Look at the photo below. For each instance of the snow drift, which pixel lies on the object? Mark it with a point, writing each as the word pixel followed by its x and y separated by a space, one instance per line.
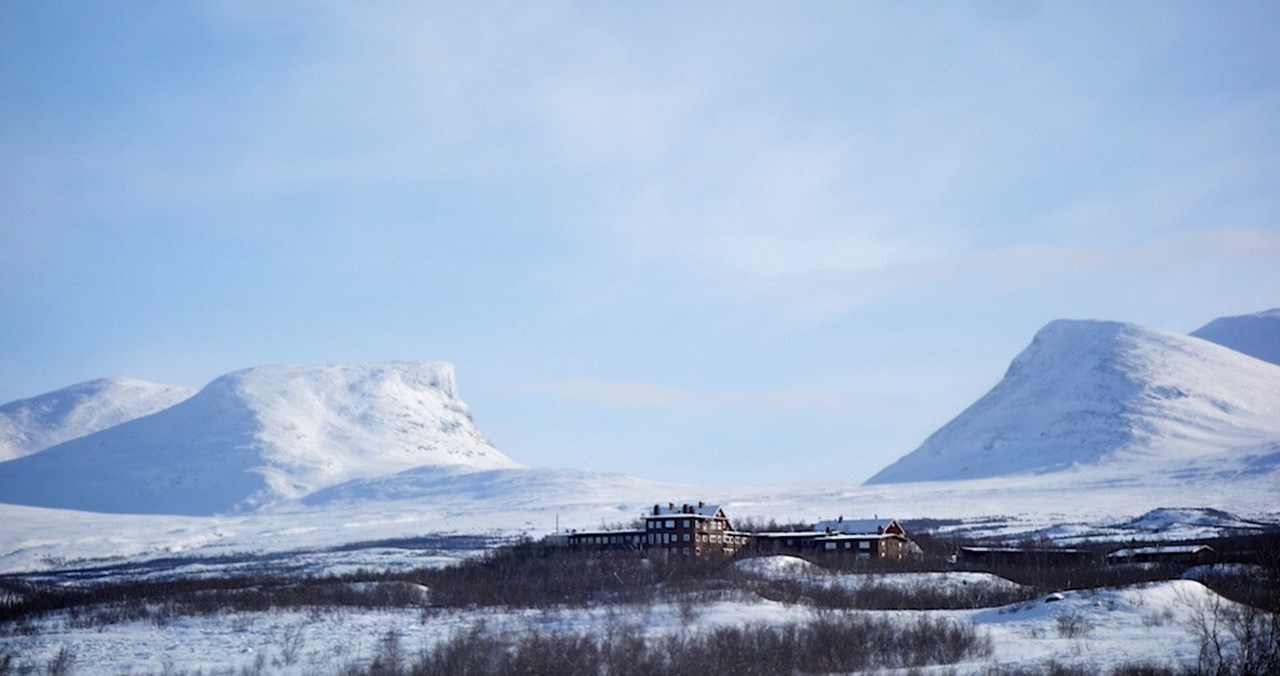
pixel 260 436
pixel 1107 394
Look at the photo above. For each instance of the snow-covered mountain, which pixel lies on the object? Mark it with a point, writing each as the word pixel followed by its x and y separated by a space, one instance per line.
pixel 1257 335
pixel 259 436
pixel 1104 395
pixel 30 425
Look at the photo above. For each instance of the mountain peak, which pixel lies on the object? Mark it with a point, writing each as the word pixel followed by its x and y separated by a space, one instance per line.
pixel 34 424
pixel 1257 334
pixel 261 435
pixel 1085 392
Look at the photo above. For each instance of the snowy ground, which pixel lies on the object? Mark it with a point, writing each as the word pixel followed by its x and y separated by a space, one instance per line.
pixel 504 504
pixel 1101 629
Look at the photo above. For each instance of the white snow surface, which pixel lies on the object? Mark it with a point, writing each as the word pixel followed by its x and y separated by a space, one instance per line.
pixel 784 567
pixel 261 436
pixel 1065 506
pixel 1149 623
pixel 1136 400
pixel 34 424
pixel 1257 334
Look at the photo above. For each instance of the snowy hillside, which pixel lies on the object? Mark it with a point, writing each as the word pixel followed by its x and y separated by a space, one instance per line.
pixel 1106 394
pixel 258 436
pixel 1257 335
pixel 30 425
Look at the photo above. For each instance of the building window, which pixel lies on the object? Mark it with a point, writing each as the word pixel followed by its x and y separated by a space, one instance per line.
pixel 685 524
pixel 830 546
pixel 670 523
pixel 864 545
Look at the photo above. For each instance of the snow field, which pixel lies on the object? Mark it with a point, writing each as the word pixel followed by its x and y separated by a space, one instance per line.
pixel 1101 629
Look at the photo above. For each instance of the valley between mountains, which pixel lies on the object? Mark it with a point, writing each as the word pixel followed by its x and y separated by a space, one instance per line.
pixel 310 504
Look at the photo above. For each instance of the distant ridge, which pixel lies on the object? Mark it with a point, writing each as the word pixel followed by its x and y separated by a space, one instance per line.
pixel 259 436
pixel 1257 334
pixel 34 424
pixel 1095 394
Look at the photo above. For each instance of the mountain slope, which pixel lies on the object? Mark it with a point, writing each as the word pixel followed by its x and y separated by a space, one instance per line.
pixel 259 436
pixel 1088 393
pixel 1257 335
pixel 30 425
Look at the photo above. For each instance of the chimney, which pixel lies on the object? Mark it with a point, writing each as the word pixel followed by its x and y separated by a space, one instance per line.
pixel 701 504
pixel 655 510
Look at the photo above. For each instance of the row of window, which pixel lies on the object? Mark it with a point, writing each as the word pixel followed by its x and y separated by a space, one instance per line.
pixel 657 524
pixel 861 545
pixel 608 539
pixel 660 539
pixel 668 538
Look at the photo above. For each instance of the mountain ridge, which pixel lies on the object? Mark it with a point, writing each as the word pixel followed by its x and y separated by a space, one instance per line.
pixel 1256 334
pixel 33 424
pixel 1086 392
pixel 259 436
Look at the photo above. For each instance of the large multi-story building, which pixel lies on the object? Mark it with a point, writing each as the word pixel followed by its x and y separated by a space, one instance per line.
pixel 692 530
pixel 702 530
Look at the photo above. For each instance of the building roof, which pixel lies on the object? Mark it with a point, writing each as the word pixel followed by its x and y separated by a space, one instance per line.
pixel 1022 550
pixel 859 526
pixel 595 533
pixel 861 537
pixel 1167 550
pixel 672 510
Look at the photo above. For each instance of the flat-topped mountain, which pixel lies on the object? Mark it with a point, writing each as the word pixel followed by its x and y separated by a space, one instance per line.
pixel 259 436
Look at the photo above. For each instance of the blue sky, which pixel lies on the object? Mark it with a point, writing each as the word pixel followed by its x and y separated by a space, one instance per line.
pixel 749 242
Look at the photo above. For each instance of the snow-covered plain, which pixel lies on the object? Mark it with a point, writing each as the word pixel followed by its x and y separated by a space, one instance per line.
pixel 512 503
pixel 1090 629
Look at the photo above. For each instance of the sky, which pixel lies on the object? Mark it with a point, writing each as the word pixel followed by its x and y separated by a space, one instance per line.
pixel 743 242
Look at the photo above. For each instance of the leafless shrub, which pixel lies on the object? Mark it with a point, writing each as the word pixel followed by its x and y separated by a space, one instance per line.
pixel 389 659
pixel 829 643
pixel 1234 639
pixel 290 645
pixel 1073 624
pixel 1145 669
pixel 60 664
pixel 257 668
pixel 1158 618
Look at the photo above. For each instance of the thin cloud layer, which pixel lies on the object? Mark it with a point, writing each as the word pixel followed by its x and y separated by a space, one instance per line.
pixel 602 198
